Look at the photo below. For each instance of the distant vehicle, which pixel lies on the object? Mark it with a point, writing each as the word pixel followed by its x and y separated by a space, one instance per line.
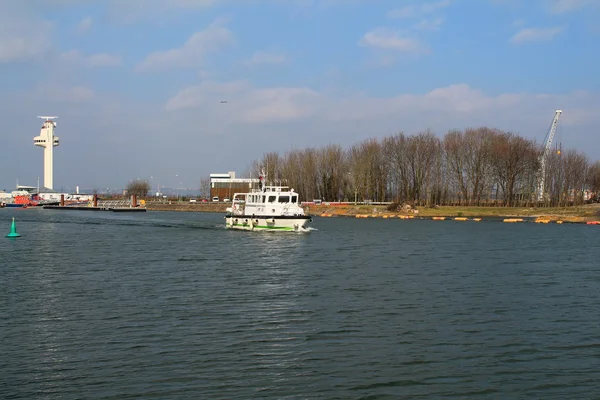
pixel 216 198
pixel 204 201
pixel 317 201
pixel 226 200
pixel 192 200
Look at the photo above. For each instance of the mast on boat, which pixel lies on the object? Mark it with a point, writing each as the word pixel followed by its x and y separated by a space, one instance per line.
pixel 262 179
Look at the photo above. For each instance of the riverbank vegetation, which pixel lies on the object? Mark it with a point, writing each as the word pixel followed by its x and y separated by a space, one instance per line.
pixel 480 167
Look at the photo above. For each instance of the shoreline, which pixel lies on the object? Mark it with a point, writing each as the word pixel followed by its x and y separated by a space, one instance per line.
pixel 575 214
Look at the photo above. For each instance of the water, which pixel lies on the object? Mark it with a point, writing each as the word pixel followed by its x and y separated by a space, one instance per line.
pixel 98 305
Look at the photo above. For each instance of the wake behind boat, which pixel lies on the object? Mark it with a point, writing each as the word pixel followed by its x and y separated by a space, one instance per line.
pixel 269 208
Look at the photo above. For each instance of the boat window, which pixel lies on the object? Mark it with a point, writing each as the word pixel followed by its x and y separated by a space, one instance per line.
pixel 294 199
pixel 284 199
pixel 271 199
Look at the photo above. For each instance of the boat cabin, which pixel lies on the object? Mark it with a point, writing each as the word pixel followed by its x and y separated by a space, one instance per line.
pixel 273 194
pixel 270 201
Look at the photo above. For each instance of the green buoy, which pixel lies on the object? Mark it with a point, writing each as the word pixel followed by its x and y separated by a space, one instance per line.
pixel 13 230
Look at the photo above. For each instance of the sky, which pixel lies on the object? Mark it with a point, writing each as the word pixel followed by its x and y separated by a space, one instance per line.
pixel 138 85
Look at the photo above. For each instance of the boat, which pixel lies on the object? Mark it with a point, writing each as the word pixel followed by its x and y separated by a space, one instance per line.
pixel 269 208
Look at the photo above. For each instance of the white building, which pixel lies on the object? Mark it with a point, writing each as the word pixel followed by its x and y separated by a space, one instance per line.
pixel 225 185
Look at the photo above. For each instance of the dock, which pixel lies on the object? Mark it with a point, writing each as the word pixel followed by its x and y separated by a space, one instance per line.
pixel 97 208
pixel 131 205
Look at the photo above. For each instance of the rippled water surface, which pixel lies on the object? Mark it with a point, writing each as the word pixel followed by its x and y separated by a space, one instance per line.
pixel 98 305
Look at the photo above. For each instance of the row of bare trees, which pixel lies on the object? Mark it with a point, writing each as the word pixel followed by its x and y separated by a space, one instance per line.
pixel 481 166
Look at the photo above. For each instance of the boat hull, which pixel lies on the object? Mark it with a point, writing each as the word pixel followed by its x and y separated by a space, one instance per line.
pixel 267 223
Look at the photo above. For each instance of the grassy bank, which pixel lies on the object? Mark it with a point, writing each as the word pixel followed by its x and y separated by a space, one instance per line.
pixel 191 207
pixel 567 214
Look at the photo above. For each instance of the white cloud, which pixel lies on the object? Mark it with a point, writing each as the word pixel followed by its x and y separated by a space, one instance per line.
pixel 129 11
pixel 566 6
pixel 94 60
pixel 193 52
pixel 191 3
pixel 416 11
pixel 261 57
pixel 65 94
pixel 84 25
pixel 430 24
pixel 429 19
pixel 203 74
pixel 536 34
pixel 22 36
pixel 246 104
pixel 442 108
pixel 391 40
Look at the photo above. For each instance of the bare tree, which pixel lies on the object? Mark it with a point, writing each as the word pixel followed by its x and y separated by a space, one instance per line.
pixel 205 187
pixel 513 157
pixel 421 155
pixel 478 151
pixel 575 165
pixel 395 149
pixel 593 181
pixel 358 170
pixel 331 172
pixel 138 187
pixel 454 151
pixel 469 167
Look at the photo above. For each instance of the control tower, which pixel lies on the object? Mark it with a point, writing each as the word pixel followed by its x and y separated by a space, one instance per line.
pixel 48 141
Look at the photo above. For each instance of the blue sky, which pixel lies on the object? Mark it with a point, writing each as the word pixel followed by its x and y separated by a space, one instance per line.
pixel 137 84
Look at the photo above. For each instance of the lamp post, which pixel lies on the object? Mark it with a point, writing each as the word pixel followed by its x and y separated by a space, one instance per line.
pixel 151 185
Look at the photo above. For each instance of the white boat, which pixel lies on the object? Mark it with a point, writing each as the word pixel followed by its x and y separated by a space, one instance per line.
pixel 269 208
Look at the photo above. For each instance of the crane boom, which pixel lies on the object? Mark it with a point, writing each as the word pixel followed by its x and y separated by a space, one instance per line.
pixel 544 156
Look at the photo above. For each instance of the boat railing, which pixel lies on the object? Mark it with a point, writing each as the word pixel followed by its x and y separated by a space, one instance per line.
pixel 121 203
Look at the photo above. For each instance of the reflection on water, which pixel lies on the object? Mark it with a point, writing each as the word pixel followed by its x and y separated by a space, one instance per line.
pixel 173 305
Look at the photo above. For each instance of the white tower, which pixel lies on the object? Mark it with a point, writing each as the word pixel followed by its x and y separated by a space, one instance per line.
pixel 48 141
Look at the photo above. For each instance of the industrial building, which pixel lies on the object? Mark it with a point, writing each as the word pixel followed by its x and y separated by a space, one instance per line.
pixel 224 186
